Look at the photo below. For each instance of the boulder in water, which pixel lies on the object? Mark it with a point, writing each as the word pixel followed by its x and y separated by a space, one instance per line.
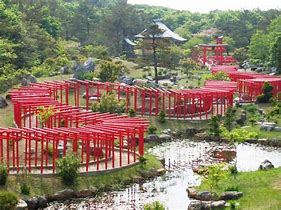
pixel 266 165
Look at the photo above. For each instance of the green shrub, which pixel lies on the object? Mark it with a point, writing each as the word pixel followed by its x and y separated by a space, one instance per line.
pixel 220 75
pixel 8 200
pixel 86 75
pixel 131 113
pixel 109 103
pixel 233 170
pixel 98 51
pixel 144 76
pixel 161 117
pixel 152 129
pixel 142 161
pixel 154 206
pixel 267 93
pixel 68 168
pixel 3 174
pixel 24 188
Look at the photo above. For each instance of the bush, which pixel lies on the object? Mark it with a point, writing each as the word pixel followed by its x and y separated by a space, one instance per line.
pixel 154 206
pixel 220 75
pixel 132 113
pixel 68 168
pixel 3 174
pixel 110 71
pixel 267 93
pixel 142 161
pixel 8 200
pixel 24 188
pixel 161 117
pixel 152 129
pixel 98 51
pixel 86 75
pixel 109 103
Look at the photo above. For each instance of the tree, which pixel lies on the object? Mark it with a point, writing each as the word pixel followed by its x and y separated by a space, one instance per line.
pixel 260 47
pixel 229 118
pixel 110 71
pixel 267 93
pixel 214 174
pixel 275 54
pixel 44 114
pixel 214 126
pixel 152 35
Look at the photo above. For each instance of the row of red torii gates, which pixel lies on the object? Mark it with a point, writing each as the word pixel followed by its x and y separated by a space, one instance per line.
pixel 102 140
pixel 249 84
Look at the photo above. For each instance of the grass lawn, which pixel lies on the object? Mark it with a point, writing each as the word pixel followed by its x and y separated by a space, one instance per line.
pixel 108 181
pixel 264 134
pixel 261 189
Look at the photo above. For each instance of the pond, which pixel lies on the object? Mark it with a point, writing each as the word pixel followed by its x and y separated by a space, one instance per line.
pixel 170 189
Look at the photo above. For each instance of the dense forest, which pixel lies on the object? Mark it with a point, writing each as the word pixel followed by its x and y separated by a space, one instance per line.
pixel 41 36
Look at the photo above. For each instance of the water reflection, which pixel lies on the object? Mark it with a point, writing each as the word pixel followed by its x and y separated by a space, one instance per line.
pixel 170 189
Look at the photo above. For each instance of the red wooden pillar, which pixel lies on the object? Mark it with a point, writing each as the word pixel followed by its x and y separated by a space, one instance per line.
pixel 141 141
pixel 1 148
pixel 135 98
pixel 204 55
pixel 157 103
pixel 120 149
pixel 87 96
pixel 150 102
pixel 127 99
pixel 169 105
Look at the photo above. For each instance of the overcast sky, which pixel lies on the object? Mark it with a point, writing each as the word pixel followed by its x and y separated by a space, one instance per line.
pixel 208 5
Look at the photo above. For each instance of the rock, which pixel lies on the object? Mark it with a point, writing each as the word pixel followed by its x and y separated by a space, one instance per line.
pixel 231 195
pixel 32 203
pixel 85 193
pixel 165 137
pixel 64 70
pixel 177 134
pixel 191 193
pixel 202 205
pixel 242 119
pixel 195 205
pixel 152 137
pixel 137 179
pixel 161 171
pixel 167 131
pixel 24 82
pixel 204 196
pixel 32 78
pixel 42 202
pixel 89 64
pixel 149 174
pixel 78 68
pixel 22 205
pixel 266 165
pixel 278 129
pixel 214 205
pixel 62 195
pixel 201 136
pixel 190 132
pixel 3 102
